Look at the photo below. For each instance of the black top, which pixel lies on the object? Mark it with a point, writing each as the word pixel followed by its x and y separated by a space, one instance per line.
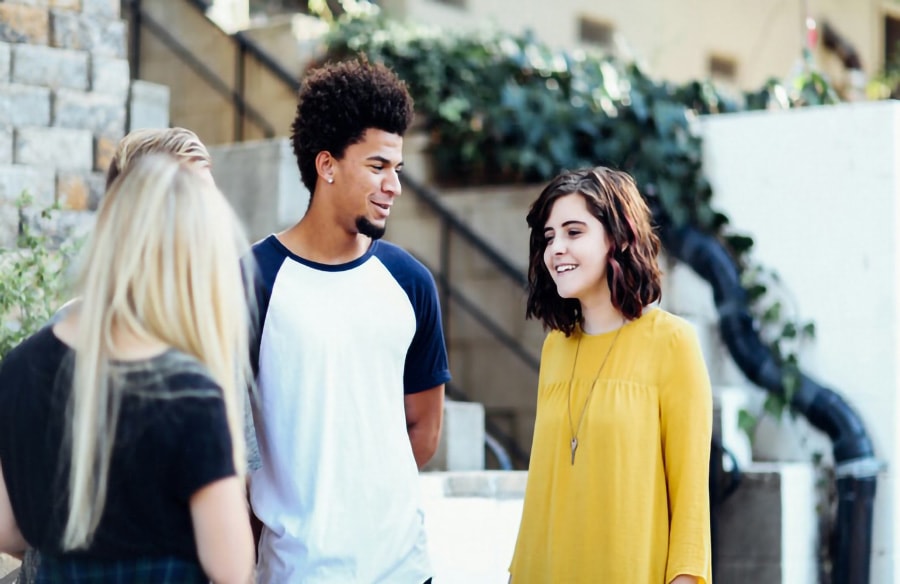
pixel 172 439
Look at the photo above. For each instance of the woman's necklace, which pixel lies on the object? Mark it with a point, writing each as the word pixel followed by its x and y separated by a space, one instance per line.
pixel 573 430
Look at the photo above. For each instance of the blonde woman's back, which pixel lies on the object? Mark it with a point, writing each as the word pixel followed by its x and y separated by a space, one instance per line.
pixel 172 438
pixel 141 447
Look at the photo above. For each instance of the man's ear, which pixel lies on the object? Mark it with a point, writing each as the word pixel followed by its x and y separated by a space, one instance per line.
pixel 325 166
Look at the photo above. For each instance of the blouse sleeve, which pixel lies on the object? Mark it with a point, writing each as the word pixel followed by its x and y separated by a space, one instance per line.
pixel 686 429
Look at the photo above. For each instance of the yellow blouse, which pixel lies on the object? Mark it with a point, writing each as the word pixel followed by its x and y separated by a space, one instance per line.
pixel 634 507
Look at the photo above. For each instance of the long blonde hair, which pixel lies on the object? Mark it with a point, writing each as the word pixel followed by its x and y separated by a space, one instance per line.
pixel 163 264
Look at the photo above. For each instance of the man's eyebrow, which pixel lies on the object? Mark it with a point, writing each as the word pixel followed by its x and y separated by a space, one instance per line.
pixel 383 160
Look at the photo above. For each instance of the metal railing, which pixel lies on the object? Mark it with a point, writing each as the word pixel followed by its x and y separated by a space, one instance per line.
pixel 506 450
pixel 452 297
pixel 141 20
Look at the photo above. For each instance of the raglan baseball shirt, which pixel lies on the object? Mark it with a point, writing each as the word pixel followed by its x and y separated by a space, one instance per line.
pixel 339 347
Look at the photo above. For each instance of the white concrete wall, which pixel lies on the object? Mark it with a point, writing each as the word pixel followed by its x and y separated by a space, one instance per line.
pixel 818 190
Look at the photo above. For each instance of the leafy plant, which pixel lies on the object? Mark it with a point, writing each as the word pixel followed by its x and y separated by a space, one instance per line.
pixel 31 276
pixel 502 107
pixel 886 84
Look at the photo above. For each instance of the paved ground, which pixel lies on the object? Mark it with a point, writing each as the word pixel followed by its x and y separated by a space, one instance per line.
pixel 7 565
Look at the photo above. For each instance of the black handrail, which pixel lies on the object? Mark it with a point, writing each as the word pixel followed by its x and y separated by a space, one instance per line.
pixel 485 320
pixel 141 18
pixel 452 294
pixel 434 203
pixel 450 222
pixel 251 47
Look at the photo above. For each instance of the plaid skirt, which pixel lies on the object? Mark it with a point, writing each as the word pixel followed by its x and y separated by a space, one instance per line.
pixel 165 570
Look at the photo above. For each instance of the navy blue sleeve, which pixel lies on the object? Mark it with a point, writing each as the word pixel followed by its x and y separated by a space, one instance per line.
pixel 426 360
pixel 264 263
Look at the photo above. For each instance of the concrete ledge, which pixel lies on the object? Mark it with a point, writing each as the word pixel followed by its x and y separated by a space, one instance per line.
pixel 461 446
pixel 768 530
pixel 148 105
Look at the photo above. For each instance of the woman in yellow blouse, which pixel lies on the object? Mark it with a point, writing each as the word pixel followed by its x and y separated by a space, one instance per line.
pixel 618 483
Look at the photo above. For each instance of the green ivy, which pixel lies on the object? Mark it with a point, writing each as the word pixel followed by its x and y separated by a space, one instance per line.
pixel 501 107
pixel 32 284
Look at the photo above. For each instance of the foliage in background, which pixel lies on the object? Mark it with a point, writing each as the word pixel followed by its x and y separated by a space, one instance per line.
pixel 886 84
pixel 32 284
pixel 500 107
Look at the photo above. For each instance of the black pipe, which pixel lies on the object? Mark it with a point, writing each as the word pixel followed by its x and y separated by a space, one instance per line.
pixel 856 467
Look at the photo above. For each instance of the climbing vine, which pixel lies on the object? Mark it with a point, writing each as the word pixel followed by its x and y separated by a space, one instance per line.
pixel 32 283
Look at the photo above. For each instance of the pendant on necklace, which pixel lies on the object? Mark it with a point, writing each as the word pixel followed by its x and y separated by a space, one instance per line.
pixel 574 448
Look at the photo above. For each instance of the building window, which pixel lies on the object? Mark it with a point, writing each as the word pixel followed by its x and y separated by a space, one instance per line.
pixel 595 32
pixel 891 40
pixel 722 68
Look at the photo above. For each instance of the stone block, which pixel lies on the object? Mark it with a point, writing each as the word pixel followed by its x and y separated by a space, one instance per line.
pixel 6 145
pixel 73 30
pixel 9 224
pixel 110 76
pixel 488 484
pixel 60 148
pixel 23 105
pixel 72 190
pixel 148 106
pixel 101 8
pixel 104 149
pixel 49 67
pixel 68 4
pixel 261 181
pixel 37 182
pixel 767 530
pixel 65 4
pixel 101 114
pixel 461 446
pixel 60 226
pixel 80 191
pixel 24 24
pixel 5 60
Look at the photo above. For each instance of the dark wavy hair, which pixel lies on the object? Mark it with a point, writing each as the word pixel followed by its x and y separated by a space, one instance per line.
pixel 632 271
pixel 338 103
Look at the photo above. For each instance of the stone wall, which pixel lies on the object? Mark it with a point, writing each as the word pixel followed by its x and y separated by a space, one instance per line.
pixel 64 93
pixel 66 98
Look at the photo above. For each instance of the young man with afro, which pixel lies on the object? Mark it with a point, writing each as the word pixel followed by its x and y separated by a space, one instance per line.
pixel 352 362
